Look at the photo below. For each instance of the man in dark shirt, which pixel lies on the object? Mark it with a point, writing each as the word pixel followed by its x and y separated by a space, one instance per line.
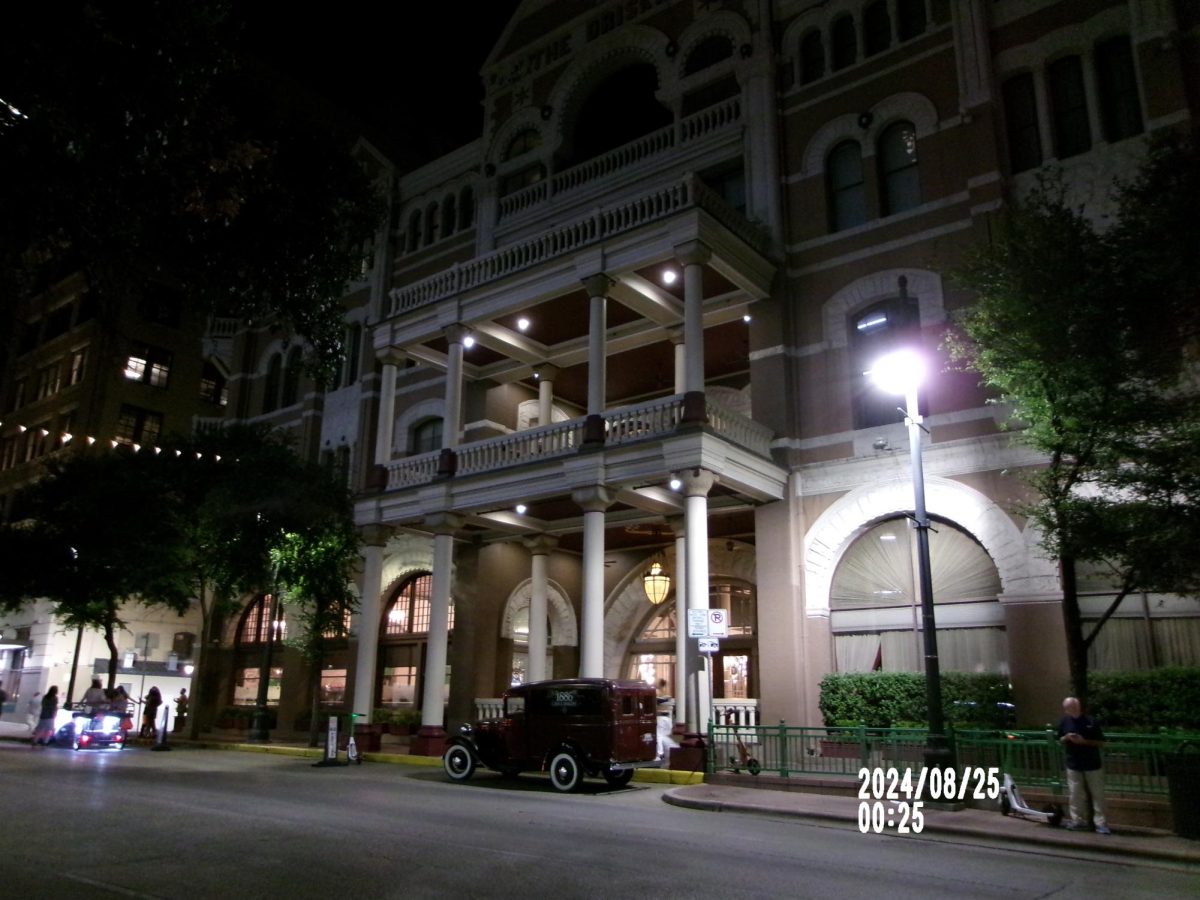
pixel 1082 739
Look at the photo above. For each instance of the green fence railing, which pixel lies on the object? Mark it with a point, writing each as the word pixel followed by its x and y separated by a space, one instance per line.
pixel 1133 763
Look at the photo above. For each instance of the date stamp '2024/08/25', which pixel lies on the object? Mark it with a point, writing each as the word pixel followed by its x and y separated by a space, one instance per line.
pixel 895 798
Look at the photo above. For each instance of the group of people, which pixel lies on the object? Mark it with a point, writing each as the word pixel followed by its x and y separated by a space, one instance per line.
pixel 42 713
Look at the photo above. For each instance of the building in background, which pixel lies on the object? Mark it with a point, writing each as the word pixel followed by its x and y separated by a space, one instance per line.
pixel 621 336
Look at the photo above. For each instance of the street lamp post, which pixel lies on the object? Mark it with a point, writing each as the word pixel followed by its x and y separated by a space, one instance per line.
pixel 901 372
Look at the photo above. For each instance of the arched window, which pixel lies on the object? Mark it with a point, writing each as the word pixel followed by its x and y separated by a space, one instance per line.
pixel 402 636
pixel 427 436
pixel 619 110
pixel 466 208
pixel 431 216
pixel 873 601
pixel 274 379
pixel 449 217
pixel 414 230
pixel 1021 122
pixel 408 613
pixel 708 52
pixel 812 57
pixel 899 177
pixel 910 18
pixel 847 193
pixel 291 377
pixel 256 622
pixel 877 28
pixel 522 142
pixel 844 41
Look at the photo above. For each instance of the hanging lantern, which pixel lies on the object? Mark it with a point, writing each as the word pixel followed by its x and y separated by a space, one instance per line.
pixel 656 583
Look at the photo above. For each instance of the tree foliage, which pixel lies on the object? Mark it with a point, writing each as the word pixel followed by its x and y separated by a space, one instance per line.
pixel 101 532
pixel 142 149
pixel 1090 336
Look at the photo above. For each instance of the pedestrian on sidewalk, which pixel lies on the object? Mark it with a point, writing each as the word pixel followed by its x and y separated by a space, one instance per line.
pixel 44 733
pixel 1082 739
pixel 153 700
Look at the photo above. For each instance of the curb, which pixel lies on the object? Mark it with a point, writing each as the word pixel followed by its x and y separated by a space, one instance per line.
pixel 1163 854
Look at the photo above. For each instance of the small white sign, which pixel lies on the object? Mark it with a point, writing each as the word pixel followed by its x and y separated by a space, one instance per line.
pixel 718 623
pixel 709 645
pixel 697 623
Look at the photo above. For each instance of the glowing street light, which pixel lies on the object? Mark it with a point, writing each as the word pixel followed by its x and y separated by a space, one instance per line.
pixel 902 372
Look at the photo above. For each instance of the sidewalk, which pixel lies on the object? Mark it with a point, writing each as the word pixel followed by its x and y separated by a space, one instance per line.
pixel 687 790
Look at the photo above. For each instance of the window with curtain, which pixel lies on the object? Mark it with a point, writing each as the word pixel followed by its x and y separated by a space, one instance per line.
pixel 1120 108
pixel 1021 123
pixel 271 387
pixel 899 175
pixel 847 191
pixel 1068 107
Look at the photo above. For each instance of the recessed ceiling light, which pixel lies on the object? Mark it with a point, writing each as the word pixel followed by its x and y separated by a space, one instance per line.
pixel 675 484
pixel 669 276
pixel 746 318
pixel 523 323
pixel 469 341
pixel 521 507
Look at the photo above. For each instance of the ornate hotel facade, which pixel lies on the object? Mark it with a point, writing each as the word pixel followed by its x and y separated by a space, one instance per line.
pixel 625 330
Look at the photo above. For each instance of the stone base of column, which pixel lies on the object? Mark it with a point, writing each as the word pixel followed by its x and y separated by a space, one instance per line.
pixel 430 740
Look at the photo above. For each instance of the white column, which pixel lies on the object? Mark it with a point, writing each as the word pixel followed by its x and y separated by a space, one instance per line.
pixel 696 485
pixel 681 638
pixel 374 539
pixel 452 426
pixel 594 501
pixel 385 434
pixel 597 287
pixel 432 701
pixel 680 349
pixel 539 549
pixel 692 257
pixel 546 375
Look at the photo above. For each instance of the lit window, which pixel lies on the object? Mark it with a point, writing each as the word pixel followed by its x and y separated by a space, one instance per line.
pixel 149 365
pixel 408 613
pixel 138 426
pixel 898 174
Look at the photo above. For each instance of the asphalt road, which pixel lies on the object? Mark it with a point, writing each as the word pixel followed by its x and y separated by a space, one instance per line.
pixel 203 823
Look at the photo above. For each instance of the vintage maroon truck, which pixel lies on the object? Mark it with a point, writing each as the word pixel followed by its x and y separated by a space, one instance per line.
pixel 569 727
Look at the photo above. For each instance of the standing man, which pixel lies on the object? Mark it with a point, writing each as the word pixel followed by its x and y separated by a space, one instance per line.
pixel 1082 739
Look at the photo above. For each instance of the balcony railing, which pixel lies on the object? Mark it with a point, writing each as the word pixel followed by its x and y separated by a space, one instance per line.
pixel 654 419
pixel 658 143
pixel 600 224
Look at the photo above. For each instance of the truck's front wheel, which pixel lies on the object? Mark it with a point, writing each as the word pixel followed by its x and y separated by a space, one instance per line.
pixel 459 763
pixel 565 772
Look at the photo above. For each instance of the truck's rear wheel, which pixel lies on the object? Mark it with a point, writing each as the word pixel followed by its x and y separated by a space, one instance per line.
pixel 618 778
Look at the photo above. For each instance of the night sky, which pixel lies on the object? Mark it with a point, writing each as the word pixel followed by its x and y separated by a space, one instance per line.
pixel 408 68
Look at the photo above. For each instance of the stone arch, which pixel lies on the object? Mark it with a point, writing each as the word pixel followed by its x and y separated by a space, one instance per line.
pixel 522 120
pixel 609 54
pixel 404 555
pixel 412 415
pixel 627 605
pixel 925 286
pixel 914 107
pixel 724 23
pixel 835 530
pixel 564 627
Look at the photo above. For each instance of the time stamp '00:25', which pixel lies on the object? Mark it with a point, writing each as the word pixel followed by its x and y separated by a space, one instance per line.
pixel 893 798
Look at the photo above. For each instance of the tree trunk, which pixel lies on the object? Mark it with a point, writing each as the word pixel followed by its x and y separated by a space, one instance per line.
pixel 197 692
pixel 114 656
pixel 1073 623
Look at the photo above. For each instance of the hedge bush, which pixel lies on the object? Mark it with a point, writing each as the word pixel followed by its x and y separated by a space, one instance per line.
pixel 897 699
pixel 1146 701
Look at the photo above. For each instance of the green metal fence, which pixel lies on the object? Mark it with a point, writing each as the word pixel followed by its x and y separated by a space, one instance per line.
pixel 1133 763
